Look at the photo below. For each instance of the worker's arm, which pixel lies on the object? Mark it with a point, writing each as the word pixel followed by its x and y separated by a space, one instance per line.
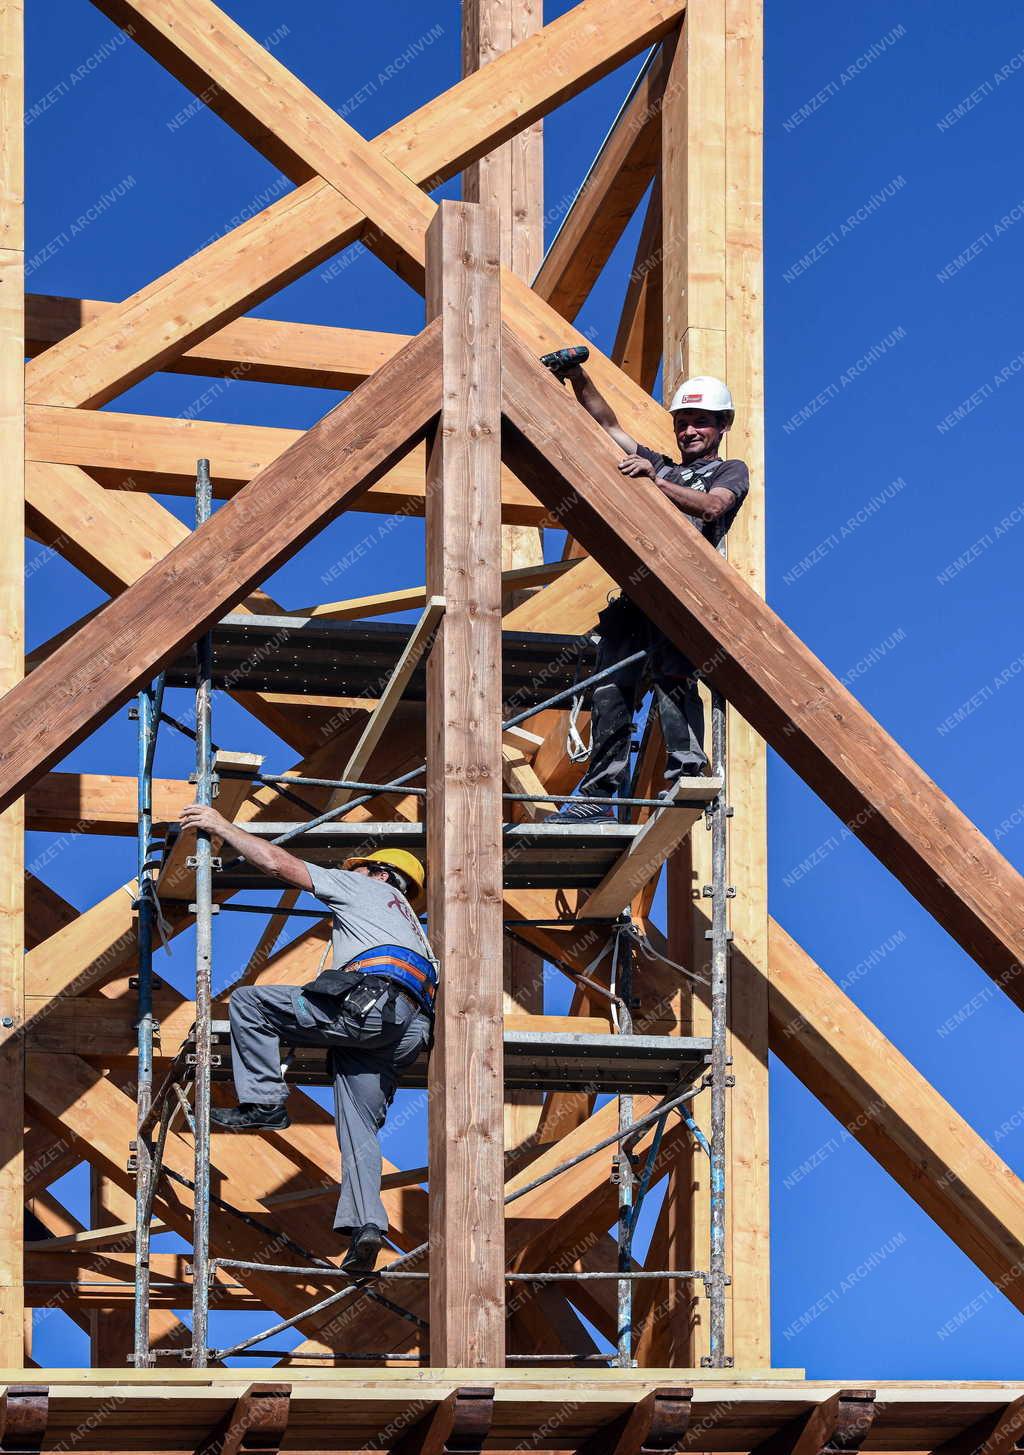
pixel 598 408
pixel 268 858
pixel 705 505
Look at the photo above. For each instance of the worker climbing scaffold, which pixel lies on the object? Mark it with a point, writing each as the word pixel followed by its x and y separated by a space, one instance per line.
pixel 372 1010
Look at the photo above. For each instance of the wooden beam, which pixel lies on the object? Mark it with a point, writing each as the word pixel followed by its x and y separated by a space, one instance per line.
pixel 837 1426
pixel 767 674
pixel 896 1114
pixel 610 194
pixel 658 1421
pixel 459 1423
pixel 258 1421
pixel 12 667
pixel 419 644
pixel 129 452
pixel 24 1415
pixel 153 620
pixel 99 803
pixel 660 835
pixel 300 230
pixel 638 341
pixel 46 912
pixel 176 880
pixel 414 598
pixel 264 350
pixel 467 1220
pixel 1000 1433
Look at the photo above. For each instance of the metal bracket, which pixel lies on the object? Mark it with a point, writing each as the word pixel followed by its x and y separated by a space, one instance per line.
pixel 727 1362
pixel 193 863
pixel 728 934
pixel 192 1060
pixel 707 892
pixel 214 908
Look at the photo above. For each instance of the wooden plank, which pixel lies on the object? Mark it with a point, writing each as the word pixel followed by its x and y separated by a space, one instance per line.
pixel 659 1421
pixel 896 1114
pixel 840 1423
pixel 520 777
pixel 300 230
pixel 99 803
pixel 419 644
pixel 265 350
pixel 1000 1433
pixel 610 194
pixel 459 1423
pixel 764 670
pixel 638 340
pixel 661 834
pixel 746 763
pixel 153 620
pixel 176 881
pixel 12 667
pixel 46 912
pixel 415 597
pixel 129 452
pixel 467 1220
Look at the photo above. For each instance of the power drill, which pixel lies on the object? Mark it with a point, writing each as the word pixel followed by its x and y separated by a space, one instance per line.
pixel 563 360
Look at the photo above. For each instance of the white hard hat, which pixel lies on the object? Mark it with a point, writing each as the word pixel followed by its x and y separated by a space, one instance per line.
pixel 704 392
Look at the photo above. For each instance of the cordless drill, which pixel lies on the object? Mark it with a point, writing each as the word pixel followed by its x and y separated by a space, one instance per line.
pixel 562 361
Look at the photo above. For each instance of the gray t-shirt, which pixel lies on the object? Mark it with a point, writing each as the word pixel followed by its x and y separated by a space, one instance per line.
pixel 706 475
pixel 367 912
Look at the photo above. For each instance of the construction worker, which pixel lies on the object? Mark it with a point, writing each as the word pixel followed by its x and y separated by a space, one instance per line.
pixel 373 1010
pixel 709 491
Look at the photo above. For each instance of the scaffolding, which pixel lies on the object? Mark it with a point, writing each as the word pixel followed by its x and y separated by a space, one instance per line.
pixel 678 1068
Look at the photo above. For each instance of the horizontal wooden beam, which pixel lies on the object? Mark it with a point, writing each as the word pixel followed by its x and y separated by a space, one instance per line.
pixel 765 671
pixel 100 803
pixel 129 452
pixel 187 591
pixel 414 598
pixel 264 350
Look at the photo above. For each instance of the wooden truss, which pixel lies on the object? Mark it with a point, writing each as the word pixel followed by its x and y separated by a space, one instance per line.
pixel 458 422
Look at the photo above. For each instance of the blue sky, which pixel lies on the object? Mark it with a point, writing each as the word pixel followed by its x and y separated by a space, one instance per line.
pixel 894 238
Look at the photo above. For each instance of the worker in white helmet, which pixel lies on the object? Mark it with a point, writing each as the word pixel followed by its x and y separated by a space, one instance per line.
pixel 708 491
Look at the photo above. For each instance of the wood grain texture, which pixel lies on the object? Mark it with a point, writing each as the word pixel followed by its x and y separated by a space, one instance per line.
pixel 153 620
pixel 264 350
pixel 610 194
pixel 464 782
pixel 766 672
pixel 12 666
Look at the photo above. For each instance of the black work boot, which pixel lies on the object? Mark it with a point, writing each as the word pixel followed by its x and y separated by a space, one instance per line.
pixel 250 1117
pixel 362 1252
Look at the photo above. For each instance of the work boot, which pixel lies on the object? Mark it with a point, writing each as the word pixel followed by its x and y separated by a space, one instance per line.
pixel 362 1252
pixel 578 810
pixel 251 1116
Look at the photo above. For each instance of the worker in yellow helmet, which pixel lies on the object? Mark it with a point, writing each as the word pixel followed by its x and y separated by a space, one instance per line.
pixel 373 1011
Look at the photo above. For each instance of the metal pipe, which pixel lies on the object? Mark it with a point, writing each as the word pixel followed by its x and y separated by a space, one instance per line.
pixel 719 935
pixel 204 970
pixel 150 701
pixel 622 984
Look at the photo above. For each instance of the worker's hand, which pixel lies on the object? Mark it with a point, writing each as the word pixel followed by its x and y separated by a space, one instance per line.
pixel 637 467
pixel 200 816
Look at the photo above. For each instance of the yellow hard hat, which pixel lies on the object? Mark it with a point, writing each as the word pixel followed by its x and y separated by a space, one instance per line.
pixel 399 859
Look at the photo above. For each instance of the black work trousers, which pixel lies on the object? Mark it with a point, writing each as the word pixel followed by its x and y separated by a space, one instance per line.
pixel 625 630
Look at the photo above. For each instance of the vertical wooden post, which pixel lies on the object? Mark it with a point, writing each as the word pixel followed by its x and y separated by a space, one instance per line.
pixel 713 315
pixel 511 179
pixel 12 666
pixel 464 779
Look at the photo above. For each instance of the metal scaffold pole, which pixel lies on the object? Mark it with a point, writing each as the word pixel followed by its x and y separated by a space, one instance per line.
pixel 150 701
pixel 204 977
pixel 720 936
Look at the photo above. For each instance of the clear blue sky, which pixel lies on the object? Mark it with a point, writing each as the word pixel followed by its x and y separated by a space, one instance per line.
pixel 894 241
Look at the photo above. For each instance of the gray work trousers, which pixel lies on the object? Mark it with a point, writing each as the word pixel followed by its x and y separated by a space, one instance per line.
pixel 366 1058
pixel 625 630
